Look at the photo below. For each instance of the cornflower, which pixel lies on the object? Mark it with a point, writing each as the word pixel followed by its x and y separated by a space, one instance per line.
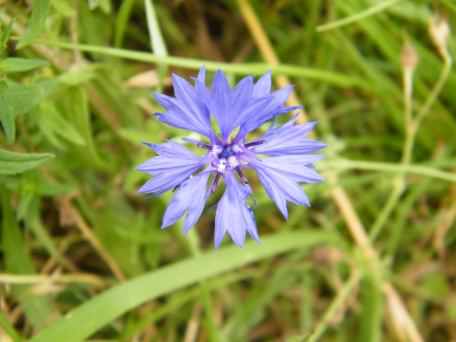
pixel 283 157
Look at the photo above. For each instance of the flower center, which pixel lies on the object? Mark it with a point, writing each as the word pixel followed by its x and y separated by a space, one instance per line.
pixel 226 156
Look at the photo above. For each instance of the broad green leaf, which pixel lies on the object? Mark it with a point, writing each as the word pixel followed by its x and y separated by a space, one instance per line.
pixel 17 261
pixel 14 64
pixel 36 25
pixel 104 308
pixel 12 163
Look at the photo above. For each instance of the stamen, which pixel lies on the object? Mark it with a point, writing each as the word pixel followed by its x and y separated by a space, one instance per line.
pixel 254 143
pixel 215 183
pixel 198 143
pixel 242 177
pixel 233 162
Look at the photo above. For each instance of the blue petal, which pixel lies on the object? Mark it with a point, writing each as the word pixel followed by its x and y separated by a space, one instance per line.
pixel 280 186
pixel 233 216
pixel 219 104
pixel 288 139
pixel 273 106
pixel 163 182
pixel 186 94
pixel 187 110
pixel 173 166
pixel 191 198
pixel 296 167
pixel 263 86
pixel 172 149
pixel 228 105
pixel 202 75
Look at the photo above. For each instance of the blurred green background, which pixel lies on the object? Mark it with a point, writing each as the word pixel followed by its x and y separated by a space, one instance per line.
pixel 82 256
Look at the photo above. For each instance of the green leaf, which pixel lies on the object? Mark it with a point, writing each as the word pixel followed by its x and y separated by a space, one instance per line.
pixel 96 313
pixel 36 26
pixel 12 163
pixel 14 64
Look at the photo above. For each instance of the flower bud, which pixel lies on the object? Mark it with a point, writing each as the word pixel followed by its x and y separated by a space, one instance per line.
pixel 439 31
pixel 409 57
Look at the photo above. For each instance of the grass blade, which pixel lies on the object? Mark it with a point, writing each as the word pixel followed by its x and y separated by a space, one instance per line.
pixel 156 38
pixel 91 316
pixel 235 68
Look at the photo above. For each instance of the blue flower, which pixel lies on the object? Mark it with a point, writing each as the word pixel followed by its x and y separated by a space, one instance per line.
pixel 282 158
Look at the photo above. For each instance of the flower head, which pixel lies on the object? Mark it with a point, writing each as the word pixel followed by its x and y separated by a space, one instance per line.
pixel 283 157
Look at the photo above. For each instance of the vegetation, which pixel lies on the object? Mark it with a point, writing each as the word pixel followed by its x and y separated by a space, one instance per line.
pixel 81 252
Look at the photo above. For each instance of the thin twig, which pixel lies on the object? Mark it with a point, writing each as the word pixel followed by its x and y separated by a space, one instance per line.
pixel 191 333
pixel 80 278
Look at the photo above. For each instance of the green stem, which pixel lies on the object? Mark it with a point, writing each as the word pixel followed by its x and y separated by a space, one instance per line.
pixel 420 170
pixel 236 68
pixel 412 127
pixel 358 16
